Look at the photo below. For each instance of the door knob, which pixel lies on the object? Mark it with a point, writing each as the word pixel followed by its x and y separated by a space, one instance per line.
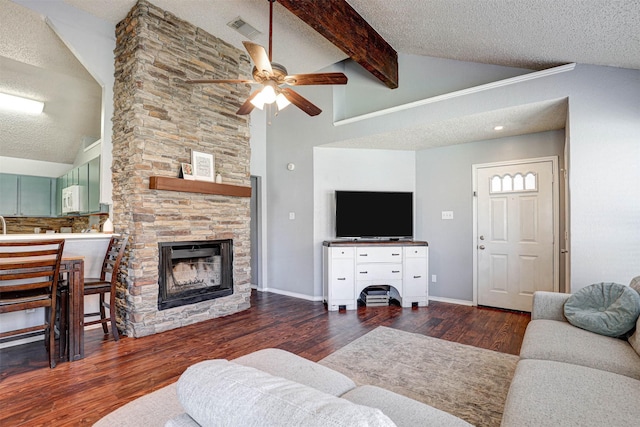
pixel 481 237
pixel 481 247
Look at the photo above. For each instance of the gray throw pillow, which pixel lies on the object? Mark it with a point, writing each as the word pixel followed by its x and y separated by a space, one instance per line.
pixel 608 309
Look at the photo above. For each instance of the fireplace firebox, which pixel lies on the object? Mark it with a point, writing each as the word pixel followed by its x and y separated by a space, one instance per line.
pixel 190 272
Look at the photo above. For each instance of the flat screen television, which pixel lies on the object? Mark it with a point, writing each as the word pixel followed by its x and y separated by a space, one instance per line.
pixel 374 214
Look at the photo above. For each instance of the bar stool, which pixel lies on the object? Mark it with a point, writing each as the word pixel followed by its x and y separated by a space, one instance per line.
pixel 107 283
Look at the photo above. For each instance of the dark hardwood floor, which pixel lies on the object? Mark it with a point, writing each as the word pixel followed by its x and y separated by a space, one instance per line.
pixel 114 373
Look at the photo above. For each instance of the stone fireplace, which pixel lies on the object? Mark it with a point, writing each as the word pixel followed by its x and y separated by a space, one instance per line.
pixel 158 120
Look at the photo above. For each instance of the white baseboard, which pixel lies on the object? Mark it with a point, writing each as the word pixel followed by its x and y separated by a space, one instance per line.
pixel 451 301
pixel 291 294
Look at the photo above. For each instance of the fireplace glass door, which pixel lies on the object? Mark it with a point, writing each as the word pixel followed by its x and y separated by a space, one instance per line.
pixel 194 271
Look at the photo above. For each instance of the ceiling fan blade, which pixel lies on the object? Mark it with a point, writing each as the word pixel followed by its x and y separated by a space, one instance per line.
pixel 220 81
pixel 302 103
pixel 316 79
pixel 247 107
pixel 259 56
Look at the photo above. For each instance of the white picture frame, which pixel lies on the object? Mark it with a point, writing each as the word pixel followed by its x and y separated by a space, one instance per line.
pixel 186 171
pixel 202 166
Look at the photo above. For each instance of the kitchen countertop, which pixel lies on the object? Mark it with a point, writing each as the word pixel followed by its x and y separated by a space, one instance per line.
pixel 53 236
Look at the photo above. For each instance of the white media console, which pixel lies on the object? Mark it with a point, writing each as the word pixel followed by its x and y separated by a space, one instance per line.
pixel 351 267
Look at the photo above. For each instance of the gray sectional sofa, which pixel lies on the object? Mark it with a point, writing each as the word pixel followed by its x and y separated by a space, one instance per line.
pixel 273 387
pixel 567 376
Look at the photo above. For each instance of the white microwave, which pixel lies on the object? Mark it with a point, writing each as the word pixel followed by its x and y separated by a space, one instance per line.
pixel 73 199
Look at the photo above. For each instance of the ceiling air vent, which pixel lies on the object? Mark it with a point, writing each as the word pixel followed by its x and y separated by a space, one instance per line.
pixel 241 26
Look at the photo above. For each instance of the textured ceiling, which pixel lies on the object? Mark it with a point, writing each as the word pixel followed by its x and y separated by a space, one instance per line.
pixel 533 34
pixel 34 63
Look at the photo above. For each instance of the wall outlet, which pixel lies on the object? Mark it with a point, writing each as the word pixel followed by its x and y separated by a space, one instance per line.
pixel 292 215
pixel 434 278
pixel 447 214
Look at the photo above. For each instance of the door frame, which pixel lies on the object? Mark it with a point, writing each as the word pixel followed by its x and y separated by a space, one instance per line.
pixel 556 216
pixel 256 277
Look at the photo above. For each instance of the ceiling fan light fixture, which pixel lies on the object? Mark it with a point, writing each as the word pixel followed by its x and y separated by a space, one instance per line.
pixel 268 94
pixel 258 101
pixel 282 102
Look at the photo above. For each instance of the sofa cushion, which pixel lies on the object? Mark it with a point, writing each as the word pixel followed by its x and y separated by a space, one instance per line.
pixel 547 393
pixel 562 342
pixel 219 392
pixel 635 284
pixel 182 420
pixel 150 410
pixel 634 339
pixel 295 368
pixel 608 309
pixel 402 410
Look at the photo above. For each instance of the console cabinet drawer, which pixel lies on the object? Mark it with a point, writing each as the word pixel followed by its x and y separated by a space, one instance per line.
pixel 379 271
pixel 415 252
pixel 337 253
pixel 379 254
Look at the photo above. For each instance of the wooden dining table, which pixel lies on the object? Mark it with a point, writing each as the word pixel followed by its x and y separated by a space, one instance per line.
pixel 72 268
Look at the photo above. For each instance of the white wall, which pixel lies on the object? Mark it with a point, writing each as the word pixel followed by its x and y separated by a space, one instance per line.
pixel 444 183
pixel 604 173
pixel 420 78
pixel 33 167
pixel 349 169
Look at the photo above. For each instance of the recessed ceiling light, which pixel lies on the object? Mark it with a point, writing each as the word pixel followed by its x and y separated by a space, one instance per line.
pixel 18 103
pixel 498 128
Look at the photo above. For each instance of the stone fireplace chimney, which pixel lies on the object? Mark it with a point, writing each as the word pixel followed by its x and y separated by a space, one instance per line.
pixel 158 120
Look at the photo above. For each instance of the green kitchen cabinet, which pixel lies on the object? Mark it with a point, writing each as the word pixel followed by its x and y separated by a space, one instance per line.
pixel 61 183
pixel 24 195
pixel 36 195
pixel 8 194
pixel 83 181
pixel 94 185
pixel 73 177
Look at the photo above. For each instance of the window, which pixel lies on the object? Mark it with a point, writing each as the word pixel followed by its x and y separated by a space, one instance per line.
pixel 512 184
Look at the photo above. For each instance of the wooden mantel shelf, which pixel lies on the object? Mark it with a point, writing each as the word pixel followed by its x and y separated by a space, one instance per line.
pixel 204 187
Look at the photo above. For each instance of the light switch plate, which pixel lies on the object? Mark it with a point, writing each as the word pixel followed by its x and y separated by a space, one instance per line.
pixel 447 214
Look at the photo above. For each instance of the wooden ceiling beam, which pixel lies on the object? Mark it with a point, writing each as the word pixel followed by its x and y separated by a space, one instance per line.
pixel 339 23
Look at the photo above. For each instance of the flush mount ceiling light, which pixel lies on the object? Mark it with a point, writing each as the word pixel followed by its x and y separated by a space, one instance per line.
pixel 498 127
pixel 18 103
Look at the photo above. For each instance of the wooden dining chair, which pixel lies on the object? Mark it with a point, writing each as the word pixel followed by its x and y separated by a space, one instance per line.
pixel 29 279
pixel 107 283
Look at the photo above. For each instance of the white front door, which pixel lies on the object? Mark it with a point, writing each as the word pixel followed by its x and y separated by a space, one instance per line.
pixel 517 225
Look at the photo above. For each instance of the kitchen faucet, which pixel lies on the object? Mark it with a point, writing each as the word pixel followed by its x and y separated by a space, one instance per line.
pixel 4 225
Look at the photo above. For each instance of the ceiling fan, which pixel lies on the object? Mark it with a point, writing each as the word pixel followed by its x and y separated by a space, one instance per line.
pixel 273 75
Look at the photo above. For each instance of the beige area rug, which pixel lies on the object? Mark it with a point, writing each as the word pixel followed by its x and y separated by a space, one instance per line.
pixel 468 382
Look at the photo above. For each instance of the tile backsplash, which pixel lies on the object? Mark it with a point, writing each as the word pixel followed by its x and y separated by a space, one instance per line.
pixel 27 225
